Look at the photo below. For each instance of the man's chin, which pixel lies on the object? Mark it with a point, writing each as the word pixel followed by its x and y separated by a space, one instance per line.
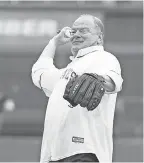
pixel 77 47
pixel 74 50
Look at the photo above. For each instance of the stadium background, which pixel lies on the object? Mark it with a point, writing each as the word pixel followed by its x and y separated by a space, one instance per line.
pixel 25 29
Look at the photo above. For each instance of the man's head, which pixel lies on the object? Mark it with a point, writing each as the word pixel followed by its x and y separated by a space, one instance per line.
pixel 87 31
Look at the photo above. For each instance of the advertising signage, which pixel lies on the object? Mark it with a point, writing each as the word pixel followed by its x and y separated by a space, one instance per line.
pixel 28 27
pixel 27 31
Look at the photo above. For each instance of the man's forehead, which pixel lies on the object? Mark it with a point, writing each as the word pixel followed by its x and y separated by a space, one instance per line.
pixel 84 22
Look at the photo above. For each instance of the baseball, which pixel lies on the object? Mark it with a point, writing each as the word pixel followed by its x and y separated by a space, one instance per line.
pixel 67 33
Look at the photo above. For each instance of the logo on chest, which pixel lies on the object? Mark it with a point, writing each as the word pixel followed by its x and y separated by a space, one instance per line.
pixel 77 139
pixel 69 73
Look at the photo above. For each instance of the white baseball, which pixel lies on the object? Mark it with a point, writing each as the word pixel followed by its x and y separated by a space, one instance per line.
pixel 67 33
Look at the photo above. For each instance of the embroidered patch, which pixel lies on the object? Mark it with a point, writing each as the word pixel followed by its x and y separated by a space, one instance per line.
pixel 77 139
pixel 69 73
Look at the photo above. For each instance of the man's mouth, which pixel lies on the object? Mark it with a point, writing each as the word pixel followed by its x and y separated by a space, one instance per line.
pixel 76 42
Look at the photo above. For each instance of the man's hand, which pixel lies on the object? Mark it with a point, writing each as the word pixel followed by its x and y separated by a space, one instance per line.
pixel 62 38
pixel 109 84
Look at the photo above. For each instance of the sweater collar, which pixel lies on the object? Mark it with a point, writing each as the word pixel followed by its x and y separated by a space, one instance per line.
pixel 85 51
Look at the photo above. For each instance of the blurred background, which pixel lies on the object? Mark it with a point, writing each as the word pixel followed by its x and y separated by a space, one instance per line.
pixel 25 29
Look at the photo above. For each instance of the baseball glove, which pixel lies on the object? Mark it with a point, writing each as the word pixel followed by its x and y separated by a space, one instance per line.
pixel 86 90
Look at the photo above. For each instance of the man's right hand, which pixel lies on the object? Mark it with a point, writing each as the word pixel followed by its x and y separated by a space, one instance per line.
pixel 61 38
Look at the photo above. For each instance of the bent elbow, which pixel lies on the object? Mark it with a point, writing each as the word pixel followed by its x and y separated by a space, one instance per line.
pixel 35 79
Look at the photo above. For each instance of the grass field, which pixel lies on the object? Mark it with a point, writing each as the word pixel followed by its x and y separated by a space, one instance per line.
pixel 27 149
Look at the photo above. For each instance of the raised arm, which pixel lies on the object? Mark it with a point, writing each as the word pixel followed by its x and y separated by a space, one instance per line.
pixel 44 74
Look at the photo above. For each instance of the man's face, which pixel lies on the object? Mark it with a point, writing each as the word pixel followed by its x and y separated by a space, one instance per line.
pixel 84 33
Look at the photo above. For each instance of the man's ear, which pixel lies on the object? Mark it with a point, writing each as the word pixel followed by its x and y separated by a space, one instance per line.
pixel 100 39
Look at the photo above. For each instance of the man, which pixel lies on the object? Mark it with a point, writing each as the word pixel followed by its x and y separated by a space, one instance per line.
pixel 73 133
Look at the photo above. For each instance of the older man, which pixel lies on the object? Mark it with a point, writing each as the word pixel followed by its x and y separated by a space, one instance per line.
pixel 75 133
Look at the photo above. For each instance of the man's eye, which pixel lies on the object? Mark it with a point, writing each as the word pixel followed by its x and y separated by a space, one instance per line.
pixel 73 31
pixel 84 30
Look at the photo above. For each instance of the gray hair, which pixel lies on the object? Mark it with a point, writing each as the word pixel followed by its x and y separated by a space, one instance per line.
pixel 97 22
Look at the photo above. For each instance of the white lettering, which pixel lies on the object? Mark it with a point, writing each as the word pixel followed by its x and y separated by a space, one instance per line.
pixel 12 27
pixel 28 27
pixel 1 27
pixel 47 27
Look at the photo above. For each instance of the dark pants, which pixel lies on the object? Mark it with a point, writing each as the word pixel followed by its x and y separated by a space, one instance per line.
pixel 83 157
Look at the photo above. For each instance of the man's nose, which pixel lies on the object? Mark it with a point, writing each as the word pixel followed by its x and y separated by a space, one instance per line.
pixel 76 35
